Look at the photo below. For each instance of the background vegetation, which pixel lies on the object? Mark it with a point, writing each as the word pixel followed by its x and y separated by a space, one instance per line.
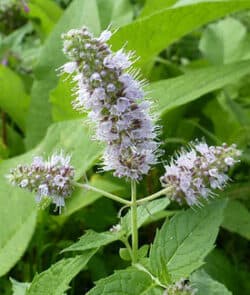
pixel 196 56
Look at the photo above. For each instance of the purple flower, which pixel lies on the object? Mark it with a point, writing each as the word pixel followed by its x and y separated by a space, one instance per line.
pixel 50 180
pixel 113 97
pixel 194 174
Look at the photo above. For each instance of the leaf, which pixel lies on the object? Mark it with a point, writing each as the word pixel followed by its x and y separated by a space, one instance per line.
pixel 172 93
pixel 117 13
pixel 237 219
pixel 126 282
pixel 152 6
pixel 144 213
pixel 149 35
pixel 17 223
pixel 82 198
pixel 92 239
pixel 17 207
pixel 19 288
pixel 79 13
pixel 47 12
pixel 206 285
pixel 13 98
pixel 61 98
pixel 182 243
pixel 225 42
pixel 55 280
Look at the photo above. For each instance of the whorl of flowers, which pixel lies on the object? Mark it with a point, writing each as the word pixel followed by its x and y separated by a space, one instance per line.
pixel 194 173
pixel 181 287
pixel 8 4
pixel 51 179
pixel 114 99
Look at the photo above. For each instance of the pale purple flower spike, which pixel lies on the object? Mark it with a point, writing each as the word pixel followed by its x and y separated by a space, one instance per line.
pixel 51 180
pixel 195 173
pixel 114 98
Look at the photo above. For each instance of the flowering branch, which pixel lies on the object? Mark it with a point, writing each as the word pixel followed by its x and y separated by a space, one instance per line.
pixel 103 193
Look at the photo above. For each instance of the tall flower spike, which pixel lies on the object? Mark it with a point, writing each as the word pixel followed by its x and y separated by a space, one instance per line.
pixel 114 99
pixel 195 173
pixel 51 180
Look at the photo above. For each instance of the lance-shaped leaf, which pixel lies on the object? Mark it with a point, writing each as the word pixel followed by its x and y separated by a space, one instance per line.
pixel 182 243
pixel 56 279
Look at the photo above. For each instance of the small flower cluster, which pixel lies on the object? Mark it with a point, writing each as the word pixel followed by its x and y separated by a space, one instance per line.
pixel 181 287
pixel 51 179
pixel 196 172
pixel 8 4
pixel 114 99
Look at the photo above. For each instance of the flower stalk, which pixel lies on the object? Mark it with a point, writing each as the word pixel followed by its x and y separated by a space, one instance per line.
pixel 134 222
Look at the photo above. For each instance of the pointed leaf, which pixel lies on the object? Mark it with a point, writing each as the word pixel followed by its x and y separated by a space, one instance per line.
pixel 172 93
pixel 151 34
pixel 55 280
pixel 185 240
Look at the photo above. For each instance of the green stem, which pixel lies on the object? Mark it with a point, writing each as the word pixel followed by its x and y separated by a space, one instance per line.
pixel 134 222
pixel 154 196
pixel 126 243
pixel 104 193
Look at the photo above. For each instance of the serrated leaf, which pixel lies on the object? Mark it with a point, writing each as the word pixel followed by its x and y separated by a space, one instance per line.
pixel 13 98
pixel 126 282
pixel 92 239
pixel 237 219
pixel 55 280
pixel 79 13
pixel 144 213
pixel 149 35
pixel 17 206
pixel 172 93
pixel 206 285
pixel 183 242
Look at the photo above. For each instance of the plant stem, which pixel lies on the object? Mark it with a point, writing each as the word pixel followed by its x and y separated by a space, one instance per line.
pixel 126 243
pixel 134 222
pixel 104 193
pixel 154 196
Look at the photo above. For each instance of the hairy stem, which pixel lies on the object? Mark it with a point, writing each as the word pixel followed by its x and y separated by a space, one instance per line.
pixel 154 196
pixel 104 193
pixel 134 222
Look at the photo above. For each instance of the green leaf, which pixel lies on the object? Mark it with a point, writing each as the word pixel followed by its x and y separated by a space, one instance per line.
pixel 237 219
pixel 172 93
pixel 126 282
pixel 184 241
pixel 13 98
pixel 92 239
pixel 149 35
pixel 225 42
pixel 17 223
pixel 144 213
pixel 17 207
pixel 79 13
pixel 152 6
pixel 19 288
pixel 117 13
pixel 55 280
pixel 61 98
pixel 47 12
pixel 206 285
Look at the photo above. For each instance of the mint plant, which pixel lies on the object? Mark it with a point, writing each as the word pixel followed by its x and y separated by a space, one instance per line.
pixel 109 90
